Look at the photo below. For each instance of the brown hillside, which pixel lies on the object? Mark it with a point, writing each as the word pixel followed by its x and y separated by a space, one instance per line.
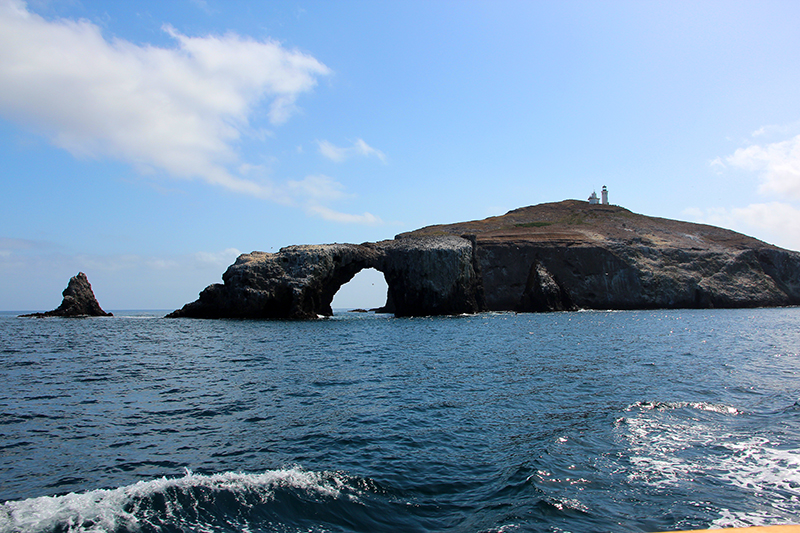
pixel 576 223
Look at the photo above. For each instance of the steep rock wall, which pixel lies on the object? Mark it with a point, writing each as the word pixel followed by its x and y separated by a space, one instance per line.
pixel 430 276
pixel 535 277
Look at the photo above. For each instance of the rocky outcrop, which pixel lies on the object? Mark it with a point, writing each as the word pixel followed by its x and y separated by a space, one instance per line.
pixel 79 300
pixel 550 257
pixel 427 276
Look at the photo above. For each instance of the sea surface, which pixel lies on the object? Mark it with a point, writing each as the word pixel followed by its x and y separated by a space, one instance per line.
pixel 499 422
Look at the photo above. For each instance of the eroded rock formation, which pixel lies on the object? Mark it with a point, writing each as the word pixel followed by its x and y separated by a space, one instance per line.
pixel 79 300
pixel 427 276
pixel 549 257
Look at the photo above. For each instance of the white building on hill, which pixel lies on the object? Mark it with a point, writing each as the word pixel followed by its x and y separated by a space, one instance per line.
pixel 593 199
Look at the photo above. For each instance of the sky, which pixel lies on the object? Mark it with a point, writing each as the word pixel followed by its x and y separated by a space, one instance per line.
pixel 149 143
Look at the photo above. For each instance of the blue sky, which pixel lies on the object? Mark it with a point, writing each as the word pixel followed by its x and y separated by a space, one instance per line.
pixel 149 143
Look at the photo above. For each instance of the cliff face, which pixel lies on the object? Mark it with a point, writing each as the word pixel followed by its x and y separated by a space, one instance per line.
pixel 549 257
pixel 575 255
pixel 430 276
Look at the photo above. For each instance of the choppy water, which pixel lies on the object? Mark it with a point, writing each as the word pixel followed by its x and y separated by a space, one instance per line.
pixel 581 422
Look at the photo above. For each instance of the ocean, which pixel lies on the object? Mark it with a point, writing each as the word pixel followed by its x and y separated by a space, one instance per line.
pixel 628 421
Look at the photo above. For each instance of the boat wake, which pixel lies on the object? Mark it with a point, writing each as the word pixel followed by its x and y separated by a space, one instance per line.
pixel 697 448
pixel 287 498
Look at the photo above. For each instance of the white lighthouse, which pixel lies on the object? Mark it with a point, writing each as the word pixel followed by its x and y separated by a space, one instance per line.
pixel 604 195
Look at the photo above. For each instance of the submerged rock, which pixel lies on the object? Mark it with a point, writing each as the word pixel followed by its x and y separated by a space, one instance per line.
pixel 79 300
pixel 549 257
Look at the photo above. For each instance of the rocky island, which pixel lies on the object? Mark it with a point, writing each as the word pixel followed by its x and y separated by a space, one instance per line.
pixel 79 300
pixel 548 257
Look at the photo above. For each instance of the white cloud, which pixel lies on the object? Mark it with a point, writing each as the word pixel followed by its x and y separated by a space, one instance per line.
pixel 339 154
pixel 717 165
pixel 221 258
pixel 778 165
pixel 161 264
pixel 313 191
pixel 203 5
pixel 317 188
pixel 180 110
pixel 775 222
pixel 334 153
pixel 773 130
pixel 693 213
pixel 335 216
pixel 366 150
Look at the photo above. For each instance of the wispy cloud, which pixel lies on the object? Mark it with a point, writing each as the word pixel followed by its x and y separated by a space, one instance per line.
pixel 776 178
pixel 774 222
pixel 335 216
pixel 319 188
pixel 717 165
pixel 14 250
pixel 8 245
pixel 179 110
pixel 340 154
pixel 221 258
pixel 313 192
pixel 203 6
pixel 778 165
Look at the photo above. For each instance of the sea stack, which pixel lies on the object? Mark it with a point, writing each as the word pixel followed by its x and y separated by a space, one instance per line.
pixel 79 300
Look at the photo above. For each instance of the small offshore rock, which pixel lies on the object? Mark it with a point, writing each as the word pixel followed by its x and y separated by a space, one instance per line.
pixel 79 300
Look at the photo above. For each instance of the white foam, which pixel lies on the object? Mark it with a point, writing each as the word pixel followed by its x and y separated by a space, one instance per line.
pixel 105 510
pixel 757 464
pixel 700 406
pixel 730 518
pixel 664 445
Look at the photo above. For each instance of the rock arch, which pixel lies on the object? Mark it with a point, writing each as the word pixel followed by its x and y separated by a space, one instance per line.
pixel 425 276
pixel 367 290
pixel 345 264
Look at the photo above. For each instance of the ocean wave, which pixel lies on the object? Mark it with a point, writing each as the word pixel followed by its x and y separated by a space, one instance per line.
pixel 221 502
pixel 729 518
pixel 700 406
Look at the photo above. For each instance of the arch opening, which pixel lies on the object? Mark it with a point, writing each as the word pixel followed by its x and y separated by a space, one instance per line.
pixel 365 291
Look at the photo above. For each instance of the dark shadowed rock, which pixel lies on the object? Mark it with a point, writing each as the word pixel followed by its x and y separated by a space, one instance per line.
pixel 572 254
pixel 427 276
pixel 549 257
pixel 79 300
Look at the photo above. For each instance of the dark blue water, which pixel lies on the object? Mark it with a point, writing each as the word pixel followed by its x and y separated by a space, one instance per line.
pixel 581 422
